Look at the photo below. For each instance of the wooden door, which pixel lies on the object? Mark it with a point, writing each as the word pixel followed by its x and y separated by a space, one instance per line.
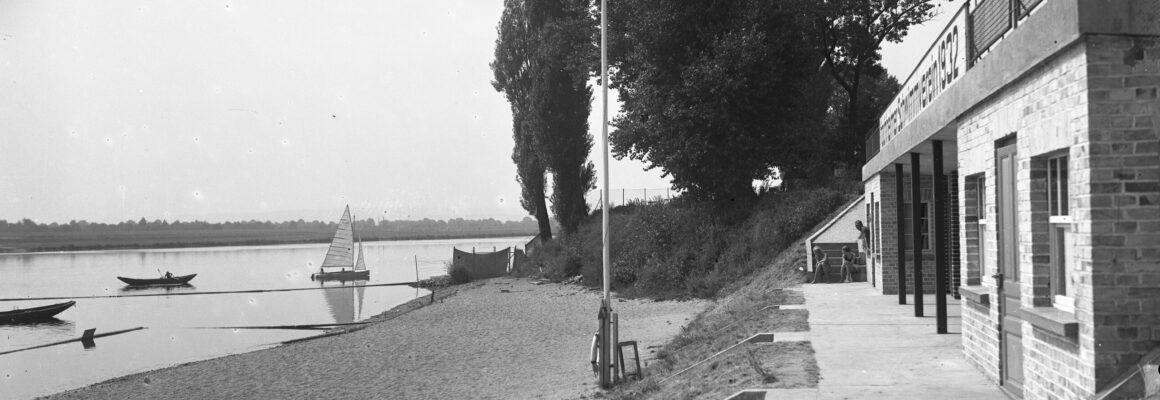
pixel 1010 318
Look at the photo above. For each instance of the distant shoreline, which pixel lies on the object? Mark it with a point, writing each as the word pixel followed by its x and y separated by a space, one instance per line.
pixel 111 242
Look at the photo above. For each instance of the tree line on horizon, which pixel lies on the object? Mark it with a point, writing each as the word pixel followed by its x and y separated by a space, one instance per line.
pixel 369 225
pixel 717 94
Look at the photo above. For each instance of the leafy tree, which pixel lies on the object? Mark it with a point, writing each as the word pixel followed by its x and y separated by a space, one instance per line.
pixel 562 99
pixel 539 66
pixel 512 69
pixel 850 34
pixel 716 93
pixel 530 175
pixel 876 90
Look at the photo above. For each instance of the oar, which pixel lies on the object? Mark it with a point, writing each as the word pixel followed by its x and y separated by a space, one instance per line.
pixel 76 340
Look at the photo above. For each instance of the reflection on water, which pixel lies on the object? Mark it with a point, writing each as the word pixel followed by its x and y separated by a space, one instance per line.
pixel 345 300
pixel 173 318
pixel 51 326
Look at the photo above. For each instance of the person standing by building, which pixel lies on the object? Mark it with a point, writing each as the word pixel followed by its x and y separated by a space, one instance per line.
pixel 864 245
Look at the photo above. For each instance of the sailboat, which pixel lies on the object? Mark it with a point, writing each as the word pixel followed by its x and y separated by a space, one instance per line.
pixel 339 263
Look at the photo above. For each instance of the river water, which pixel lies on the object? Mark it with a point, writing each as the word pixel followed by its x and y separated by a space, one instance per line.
pixel 183 328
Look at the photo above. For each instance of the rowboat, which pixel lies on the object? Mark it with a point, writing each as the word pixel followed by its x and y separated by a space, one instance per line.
pixel 162 281
pixel 340 263
pixel 35 313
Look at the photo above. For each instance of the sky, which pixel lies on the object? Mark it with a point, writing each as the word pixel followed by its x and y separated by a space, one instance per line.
pixel 270 110
pixel 900 58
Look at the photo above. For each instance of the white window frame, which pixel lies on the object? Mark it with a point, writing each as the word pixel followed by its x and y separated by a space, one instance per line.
pixel 1060 223
pixel 981 204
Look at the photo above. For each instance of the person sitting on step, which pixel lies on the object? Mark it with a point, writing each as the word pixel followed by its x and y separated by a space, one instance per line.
pixel 821 265
pixel 848 258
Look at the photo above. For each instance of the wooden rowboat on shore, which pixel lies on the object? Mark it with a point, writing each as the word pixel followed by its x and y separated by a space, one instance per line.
pixel 34 314
pixel 162 281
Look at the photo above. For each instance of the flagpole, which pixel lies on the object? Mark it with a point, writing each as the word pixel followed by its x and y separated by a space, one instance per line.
pixel 606 302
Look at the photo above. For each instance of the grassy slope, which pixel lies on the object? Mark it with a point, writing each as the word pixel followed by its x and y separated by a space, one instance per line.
pixel 739 313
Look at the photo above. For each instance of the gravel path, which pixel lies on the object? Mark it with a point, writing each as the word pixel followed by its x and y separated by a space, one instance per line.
pixel 502 339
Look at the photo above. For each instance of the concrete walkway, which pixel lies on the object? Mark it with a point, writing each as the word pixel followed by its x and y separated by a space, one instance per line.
pixel 870 347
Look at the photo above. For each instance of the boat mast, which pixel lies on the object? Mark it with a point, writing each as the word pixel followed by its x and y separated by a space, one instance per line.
pixel 354 261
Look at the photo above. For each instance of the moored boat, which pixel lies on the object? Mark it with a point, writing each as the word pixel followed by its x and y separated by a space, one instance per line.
pixel 35 313
pixel 339 263
pixel 162 281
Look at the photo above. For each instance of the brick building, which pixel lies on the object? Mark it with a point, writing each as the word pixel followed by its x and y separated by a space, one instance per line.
pixel 1033 127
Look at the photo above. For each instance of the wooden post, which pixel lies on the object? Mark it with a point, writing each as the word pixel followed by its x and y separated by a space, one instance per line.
pixel 616 370
pixel 901 233
pixel 940 247
pixel 416 268
pixel 870 242
pixel 916 228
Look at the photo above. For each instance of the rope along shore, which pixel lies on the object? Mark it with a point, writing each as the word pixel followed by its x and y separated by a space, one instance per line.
pixel 201 293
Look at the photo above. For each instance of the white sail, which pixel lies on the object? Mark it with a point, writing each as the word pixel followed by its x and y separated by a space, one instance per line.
pixel 341 250
pixel 360 265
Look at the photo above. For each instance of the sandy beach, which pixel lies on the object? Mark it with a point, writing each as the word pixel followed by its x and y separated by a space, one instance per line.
pixel 503 338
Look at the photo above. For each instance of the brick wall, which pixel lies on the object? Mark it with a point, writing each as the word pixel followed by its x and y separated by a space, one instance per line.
pixel 874 190
pixel 980 329
pixel 1046 110
pixel 1123 200
pixel 887 277
pixel 952 226
pixel 883 188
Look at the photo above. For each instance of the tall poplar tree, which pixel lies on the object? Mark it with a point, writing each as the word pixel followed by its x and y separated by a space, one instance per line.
pixel 512 68
pixel 540 65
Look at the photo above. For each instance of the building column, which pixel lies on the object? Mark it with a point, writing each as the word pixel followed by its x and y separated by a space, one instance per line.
pixel 916 229
pixel 901 233
pixel 939 198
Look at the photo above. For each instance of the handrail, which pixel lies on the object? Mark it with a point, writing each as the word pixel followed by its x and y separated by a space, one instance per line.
pixel 1138 369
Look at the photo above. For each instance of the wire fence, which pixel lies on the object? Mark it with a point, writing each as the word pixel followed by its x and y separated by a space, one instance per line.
pixel 623 196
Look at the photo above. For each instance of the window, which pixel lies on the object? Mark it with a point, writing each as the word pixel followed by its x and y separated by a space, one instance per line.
pixel 869 224
pixel 877 218
pixel 924 219
pixel 1057 186
pixel 1062 241
pixel 981 207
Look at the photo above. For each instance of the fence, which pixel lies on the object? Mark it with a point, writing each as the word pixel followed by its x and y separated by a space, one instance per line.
pixel 482 265
pixel 993 18
pixel 625 196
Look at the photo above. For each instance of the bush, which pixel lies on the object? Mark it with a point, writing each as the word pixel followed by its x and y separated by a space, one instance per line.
pixel 458 274
pixel 685 248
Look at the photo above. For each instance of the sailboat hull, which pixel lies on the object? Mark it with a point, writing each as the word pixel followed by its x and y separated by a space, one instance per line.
pixel 342 276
